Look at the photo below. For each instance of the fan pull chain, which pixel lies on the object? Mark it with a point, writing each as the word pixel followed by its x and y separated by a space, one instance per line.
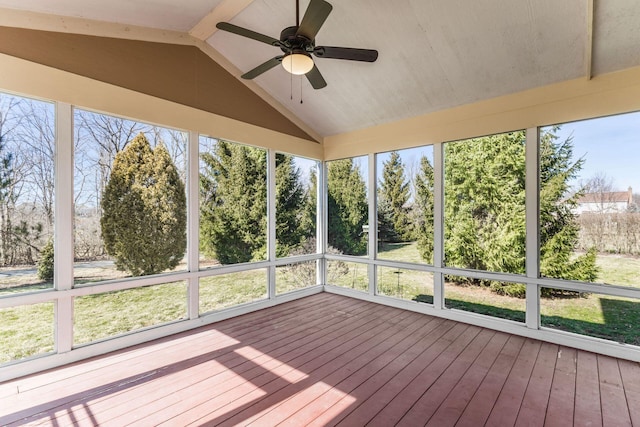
pixel 300 89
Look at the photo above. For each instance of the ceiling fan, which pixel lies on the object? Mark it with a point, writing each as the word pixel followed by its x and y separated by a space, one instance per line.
pixel 298 43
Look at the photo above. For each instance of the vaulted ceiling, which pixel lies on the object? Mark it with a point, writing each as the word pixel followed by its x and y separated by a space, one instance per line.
pixel 433 55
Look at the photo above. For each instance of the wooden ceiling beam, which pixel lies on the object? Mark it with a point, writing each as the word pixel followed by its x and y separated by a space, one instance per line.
pixel 589 47
pixel 225 11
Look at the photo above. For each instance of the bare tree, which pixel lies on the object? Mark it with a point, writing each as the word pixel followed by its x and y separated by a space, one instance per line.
pixel 98 139
pixel 36 139
pixel 598 191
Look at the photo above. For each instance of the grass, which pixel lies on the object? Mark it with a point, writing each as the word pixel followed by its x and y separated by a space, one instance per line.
pixel 27 331
pixel 227 290
pixel 620 270
pixel 597 315
pixel 109 314
pixel 296 276
pixel 348 275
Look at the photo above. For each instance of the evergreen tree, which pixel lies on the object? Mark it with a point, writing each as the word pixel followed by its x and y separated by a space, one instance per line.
pixel 144 210
pixel 233 199
pixel 485 209
pixel 310 209
pixel 484 203
pixel 233 212
pixel 558 225
pixel 393 195
pixel 386 223
pixel 290 200
pixel 45 263
pixel 424 208
pixel 347 206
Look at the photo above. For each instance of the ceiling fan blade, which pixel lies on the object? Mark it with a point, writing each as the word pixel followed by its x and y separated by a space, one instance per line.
pixel 225 26
pixel 348 53
pixel 313 18
pixel 266 66
pixel 315 78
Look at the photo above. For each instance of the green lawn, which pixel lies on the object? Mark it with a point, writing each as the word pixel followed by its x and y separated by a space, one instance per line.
pixel 28 330
pixel 109 314
pixel 596 315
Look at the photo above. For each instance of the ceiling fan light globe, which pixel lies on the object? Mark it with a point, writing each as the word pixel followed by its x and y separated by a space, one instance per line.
pixel 297 63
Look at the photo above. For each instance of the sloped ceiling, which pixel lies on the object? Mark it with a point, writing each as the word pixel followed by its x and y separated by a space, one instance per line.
pixel 434 54
pixel 179 73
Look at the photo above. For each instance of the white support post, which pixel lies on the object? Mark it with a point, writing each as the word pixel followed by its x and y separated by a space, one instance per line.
pixel 63 233
pixel 438 224
pixel 321 221
pixel 532 206
pixel 372 246
pixel 271 221
pixel 193 219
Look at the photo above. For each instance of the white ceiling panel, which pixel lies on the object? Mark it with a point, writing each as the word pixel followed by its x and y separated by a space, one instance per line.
pixel 616 30
pixel 433 55
pixel 163 14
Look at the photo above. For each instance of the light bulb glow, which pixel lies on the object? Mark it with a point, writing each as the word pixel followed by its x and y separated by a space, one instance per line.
pixel 297 63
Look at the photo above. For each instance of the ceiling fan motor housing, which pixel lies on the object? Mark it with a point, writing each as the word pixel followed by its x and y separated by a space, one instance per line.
pixel 294 42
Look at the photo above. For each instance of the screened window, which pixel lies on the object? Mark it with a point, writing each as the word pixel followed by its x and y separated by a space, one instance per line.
pixel 130 198
pixel 115 313
pixel 347 190
pixel 402 283
pixel 296 202
pixel 590 201
pixel 405 205
pixel 27 147
pixel 233 203
pixel 226 290
pixel 484 208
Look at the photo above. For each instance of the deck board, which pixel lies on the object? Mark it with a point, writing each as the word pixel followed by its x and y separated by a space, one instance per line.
pixel 536 398
pixel 563 386
pixel 615 410
pixel 588 409
pixel 332 360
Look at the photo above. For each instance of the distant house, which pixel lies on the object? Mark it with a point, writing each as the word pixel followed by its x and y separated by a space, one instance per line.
pixel 605 202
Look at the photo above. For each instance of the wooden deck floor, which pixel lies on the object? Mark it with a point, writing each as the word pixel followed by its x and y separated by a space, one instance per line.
pixel 332 360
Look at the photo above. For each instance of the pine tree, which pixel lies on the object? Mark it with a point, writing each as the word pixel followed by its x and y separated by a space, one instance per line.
pixel 290 199
pixel 233 213
pixel 233 210
pixel 144 210
pixel 347 206
pixel 45 263
pixel 485 209
pixel 310 208
pixel 424 208
pixel 558 224
pixel 393 194
pixel 484 203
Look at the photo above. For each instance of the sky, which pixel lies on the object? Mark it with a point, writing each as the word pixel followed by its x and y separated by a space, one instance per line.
pixel 610 146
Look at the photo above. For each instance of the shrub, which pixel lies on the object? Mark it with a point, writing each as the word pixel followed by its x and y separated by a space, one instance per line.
pixel 45 264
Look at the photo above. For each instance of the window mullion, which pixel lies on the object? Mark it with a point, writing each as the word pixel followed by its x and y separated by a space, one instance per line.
pixel 532 205
pixel 193 222
pixel 321 222
pixel 63 233
pixel 271 221
pixel 373 225
pixel 438 226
